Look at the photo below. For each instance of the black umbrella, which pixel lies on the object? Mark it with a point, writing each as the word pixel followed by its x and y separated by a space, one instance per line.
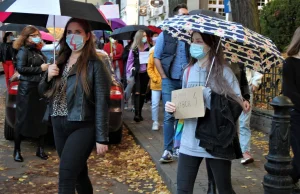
pixel 38 12
pixel 127 32
pixel 206 12
pixel 19 27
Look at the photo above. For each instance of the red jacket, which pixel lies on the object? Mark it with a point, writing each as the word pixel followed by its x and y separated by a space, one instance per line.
pixel 117 55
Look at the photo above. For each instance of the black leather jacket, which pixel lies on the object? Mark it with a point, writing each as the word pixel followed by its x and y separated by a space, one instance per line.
pixel 4 49
pixel 28 64
pixel 217 130
pixel 81 107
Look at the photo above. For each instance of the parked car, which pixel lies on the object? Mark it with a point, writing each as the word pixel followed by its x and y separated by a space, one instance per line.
pixel 116 105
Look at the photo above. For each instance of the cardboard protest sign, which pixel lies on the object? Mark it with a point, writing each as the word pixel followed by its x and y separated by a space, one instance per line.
pixel 189 103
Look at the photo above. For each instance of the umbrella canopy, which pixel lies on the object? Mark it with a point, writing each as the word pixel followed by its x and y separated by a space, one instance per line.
pixel 240 44
pixel 155 29
pixel 127 32
pixel 38 12
pixel 19 27
pixel 117 23
pixel 46 36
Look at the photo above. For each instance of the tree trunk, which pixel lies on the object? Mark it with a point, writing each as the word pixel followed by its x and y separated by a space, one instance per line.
pixel 246 13
pixel 173 4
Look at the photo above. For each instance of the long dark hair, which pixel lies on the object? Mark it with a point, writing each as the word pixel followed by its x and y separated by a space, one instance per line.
pixel 7 34
pixel 88 52
pixel 216 81
pixel 294 47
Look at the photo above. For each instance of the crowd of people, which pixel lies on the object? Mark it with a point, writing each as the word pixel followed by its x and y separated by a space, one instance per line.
pixel 73 95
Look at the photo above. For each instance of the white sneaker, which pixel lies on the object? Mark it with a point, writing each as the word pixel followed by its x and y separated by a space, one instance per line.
pixel 155 126
pixel 166 157
pixel 176 153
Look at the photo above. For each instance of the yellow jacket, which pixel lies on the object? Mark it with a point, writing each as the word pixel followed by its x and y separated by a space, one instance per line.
pixel 155 78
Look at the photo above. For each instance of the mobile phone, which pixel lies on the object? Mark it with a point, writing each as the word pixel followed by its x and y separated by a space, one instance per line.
pixel 51 61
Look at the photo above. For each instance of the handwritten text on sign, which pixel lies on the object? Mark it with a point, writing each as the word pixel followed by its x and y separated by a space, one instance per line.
pixel 189 103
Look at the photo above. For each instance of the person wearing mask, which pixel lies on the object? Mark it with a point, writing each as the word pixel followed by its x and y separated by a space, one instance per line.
pixel 149 91
pixel 138 72
pixel 30 63
pixel 128 90
pixel 155 85
pixel 170 58
pixel 78 90
pixel 101 43
pixel 115 51
pixel 291 89
pixel 7 54
pixel 222 85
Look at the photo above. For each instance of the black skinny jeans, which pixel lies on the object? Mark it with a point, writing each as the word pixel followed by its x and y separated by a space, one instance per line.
pixel 295 143
pixel 188 167
pixel 74 143
pixel 40 142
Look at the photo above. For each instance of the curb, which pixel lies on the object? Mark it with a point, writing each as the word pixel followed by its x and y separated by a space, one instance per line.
pixel 160 168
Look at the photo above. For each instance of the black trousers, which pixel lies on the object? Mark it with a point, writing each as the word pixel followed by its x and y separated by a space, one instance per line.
pixel 74 143
pixel 141 83
pixel 295 143
pixel 188 167
pixel 18 139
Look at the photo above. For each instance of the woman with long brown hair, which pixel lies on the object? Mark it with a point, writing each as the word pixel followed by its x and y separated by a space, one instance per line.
pixel 221 82
pixel 78 90
pixel 30 63
pixel 136 72
pixel 291 89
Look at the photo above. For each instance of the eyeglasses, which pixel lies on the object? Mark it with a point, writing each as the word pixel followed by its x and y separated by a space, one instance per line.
pixel 34 35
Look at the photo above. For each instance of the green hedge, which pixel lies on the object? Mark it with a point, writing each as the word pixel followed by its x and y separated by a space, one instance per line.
pixel 279 20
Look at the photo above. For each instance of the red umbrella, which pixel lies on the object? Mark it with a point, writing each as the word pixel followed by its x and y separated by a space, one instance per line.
pixel 155 29
pixel 46 36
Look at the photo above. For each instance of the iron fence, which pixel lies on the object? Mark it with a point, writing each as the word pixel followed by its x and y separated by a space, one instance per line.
pixel 271 86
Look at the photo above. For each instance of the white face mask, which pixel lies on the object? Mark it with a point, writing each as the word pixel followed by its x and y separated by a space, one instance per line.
pixel 75 42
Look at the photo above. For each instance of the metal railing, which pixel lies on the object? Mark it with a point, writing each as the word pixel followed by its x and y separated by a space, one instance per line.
pixel 271 87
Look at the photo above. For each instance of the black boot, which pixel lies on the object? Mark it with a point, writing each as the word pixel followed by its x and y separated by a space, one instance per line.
pixel 137 108
pixel 41 153
pixel 212 188
pixel 17 156
pixel 142 102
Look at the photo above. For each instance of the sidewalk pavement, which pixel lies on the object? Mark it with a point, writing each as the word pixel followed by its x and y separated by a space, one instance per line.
pixel 245 179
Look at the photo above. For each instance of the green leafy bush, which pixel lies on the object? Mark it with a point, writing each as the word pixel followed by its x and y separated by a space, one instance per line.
pixel 279 20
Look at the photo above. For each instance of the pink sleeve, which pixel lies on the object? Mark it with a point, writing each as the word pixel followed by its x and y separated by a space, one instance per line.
pixel 130 62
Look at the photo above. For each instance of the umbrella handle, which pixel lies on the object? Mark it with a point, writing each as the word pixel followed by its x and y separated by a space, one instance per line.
pixel 212 64
pixel 54 49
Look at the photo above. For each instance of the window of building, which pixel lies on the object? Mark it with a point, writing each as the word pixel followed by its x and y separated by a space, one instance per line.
pixel 216 6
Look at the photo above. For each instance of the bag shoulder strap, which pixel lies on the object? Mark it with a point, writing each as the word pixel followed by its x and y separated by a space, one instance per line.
pixel 187 75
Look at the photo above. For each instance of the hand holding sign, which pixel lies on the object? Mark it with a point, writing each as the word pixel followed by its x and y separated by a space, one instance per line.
pixel 188 103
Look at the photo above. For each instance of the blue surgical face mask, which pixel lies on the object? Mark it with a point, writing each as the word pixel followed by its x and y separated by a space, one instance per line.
pixel 144 40
pixel 11 38
pixel 36 40
pixel 197 51
pixel 102 41
pixel 75 42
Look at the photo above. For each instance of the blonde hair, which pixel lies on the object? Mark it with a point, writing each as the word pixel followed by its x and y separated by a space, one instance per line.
pixel 137 41
pixel 22 39
pixel 294 47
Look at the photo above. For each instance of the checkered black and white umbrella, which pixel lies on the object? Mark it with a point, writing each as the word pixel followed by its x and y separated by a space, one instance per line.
pixel 43 12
